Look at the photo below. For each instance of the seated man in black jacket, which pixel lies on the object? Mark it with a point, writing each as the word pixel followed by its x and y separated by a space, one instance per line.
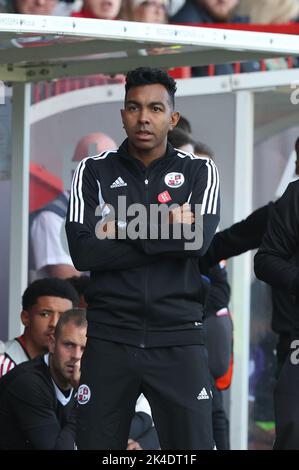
pixel 37 398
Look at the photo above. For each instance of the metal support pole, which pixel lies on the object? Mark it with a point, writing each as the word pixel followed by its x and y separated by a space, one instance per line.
pixel 18 262
pixel 241 269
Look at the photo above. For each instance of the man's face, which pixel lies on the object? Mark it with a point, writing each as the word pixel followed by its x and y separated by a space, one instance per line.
pixel 67 351
pixel 220 10
pixel 148 117
pixel 40 320
pixel 103 9
pixel 36 7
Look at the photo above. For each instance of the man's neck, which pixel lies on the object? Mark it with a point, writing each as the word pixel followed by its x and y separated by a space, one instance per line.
pixel 31 348
pixel 146 157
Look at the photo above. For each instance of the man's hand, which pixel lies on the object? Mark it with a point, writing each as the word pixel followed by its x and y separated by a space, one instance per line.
pixel 182 215
pixel 133 445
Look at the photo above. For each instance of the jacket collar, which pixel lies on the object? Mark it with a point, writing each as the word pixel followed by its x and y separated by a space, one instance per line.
pixel 123 152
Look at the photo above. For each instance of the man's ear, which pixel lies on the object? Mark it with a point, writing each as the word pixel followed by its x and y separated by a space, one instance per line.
pixel 175 116
pixel 25 318
pixel 51 344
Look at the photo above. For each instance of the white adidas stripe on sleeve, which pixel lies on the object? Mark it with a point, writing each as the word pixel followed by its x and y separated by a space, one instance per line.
pixel 212 190
pixel 76 197
pixel 206 193
pixel 210 198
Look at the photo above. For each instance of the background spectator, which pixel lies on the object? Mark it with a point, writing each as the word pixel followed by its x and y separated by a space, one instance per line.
pixel 29 7
pixel 65 8
pixel 147 11
pixel 48 253
pixel 270 11
pixel 184 124
pixel 213 11
pixel 80 283
pixel 203 149
pixel 43 303
pixel 179 139
pixel 99 9
pixel 175 6
pixel 208 11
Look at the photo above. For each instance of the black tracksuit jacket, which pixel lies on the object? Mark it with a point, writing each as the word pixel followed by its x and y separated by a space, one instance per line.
pixel 277 261
pixel 147 292
pixel 248 235
pixel 32 415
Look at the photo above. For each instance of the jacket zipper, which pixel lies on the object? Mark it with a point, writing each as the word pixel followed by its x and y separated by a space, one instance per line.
pixel 143 344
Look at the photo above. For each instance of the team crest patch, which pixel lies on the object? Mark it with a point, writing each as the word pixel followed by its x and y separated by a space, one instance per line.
pixel 174 180
pixel 83 394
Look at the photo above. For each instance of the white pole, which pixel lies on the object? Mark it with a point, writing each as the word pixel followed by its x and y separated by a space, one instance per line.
pixel 18 262
pixel 241 270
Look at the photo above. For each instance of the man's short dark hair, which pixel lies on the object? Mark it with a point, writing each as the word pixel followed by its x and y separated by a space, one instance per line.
pixel 150 76
pixel 177 137
pixel 77 316
pixel 50 287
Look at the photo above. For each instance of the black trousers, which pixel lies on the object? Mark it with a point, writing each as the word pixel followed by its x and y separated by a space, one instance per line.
pixel 219 420
pixel 286 407
pixel 175 380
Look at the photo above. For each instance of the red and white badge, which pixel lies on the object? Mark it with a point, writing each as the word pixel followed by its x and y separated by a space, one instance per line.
pixel 174 180
pixel 164 197
pixel 83 394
